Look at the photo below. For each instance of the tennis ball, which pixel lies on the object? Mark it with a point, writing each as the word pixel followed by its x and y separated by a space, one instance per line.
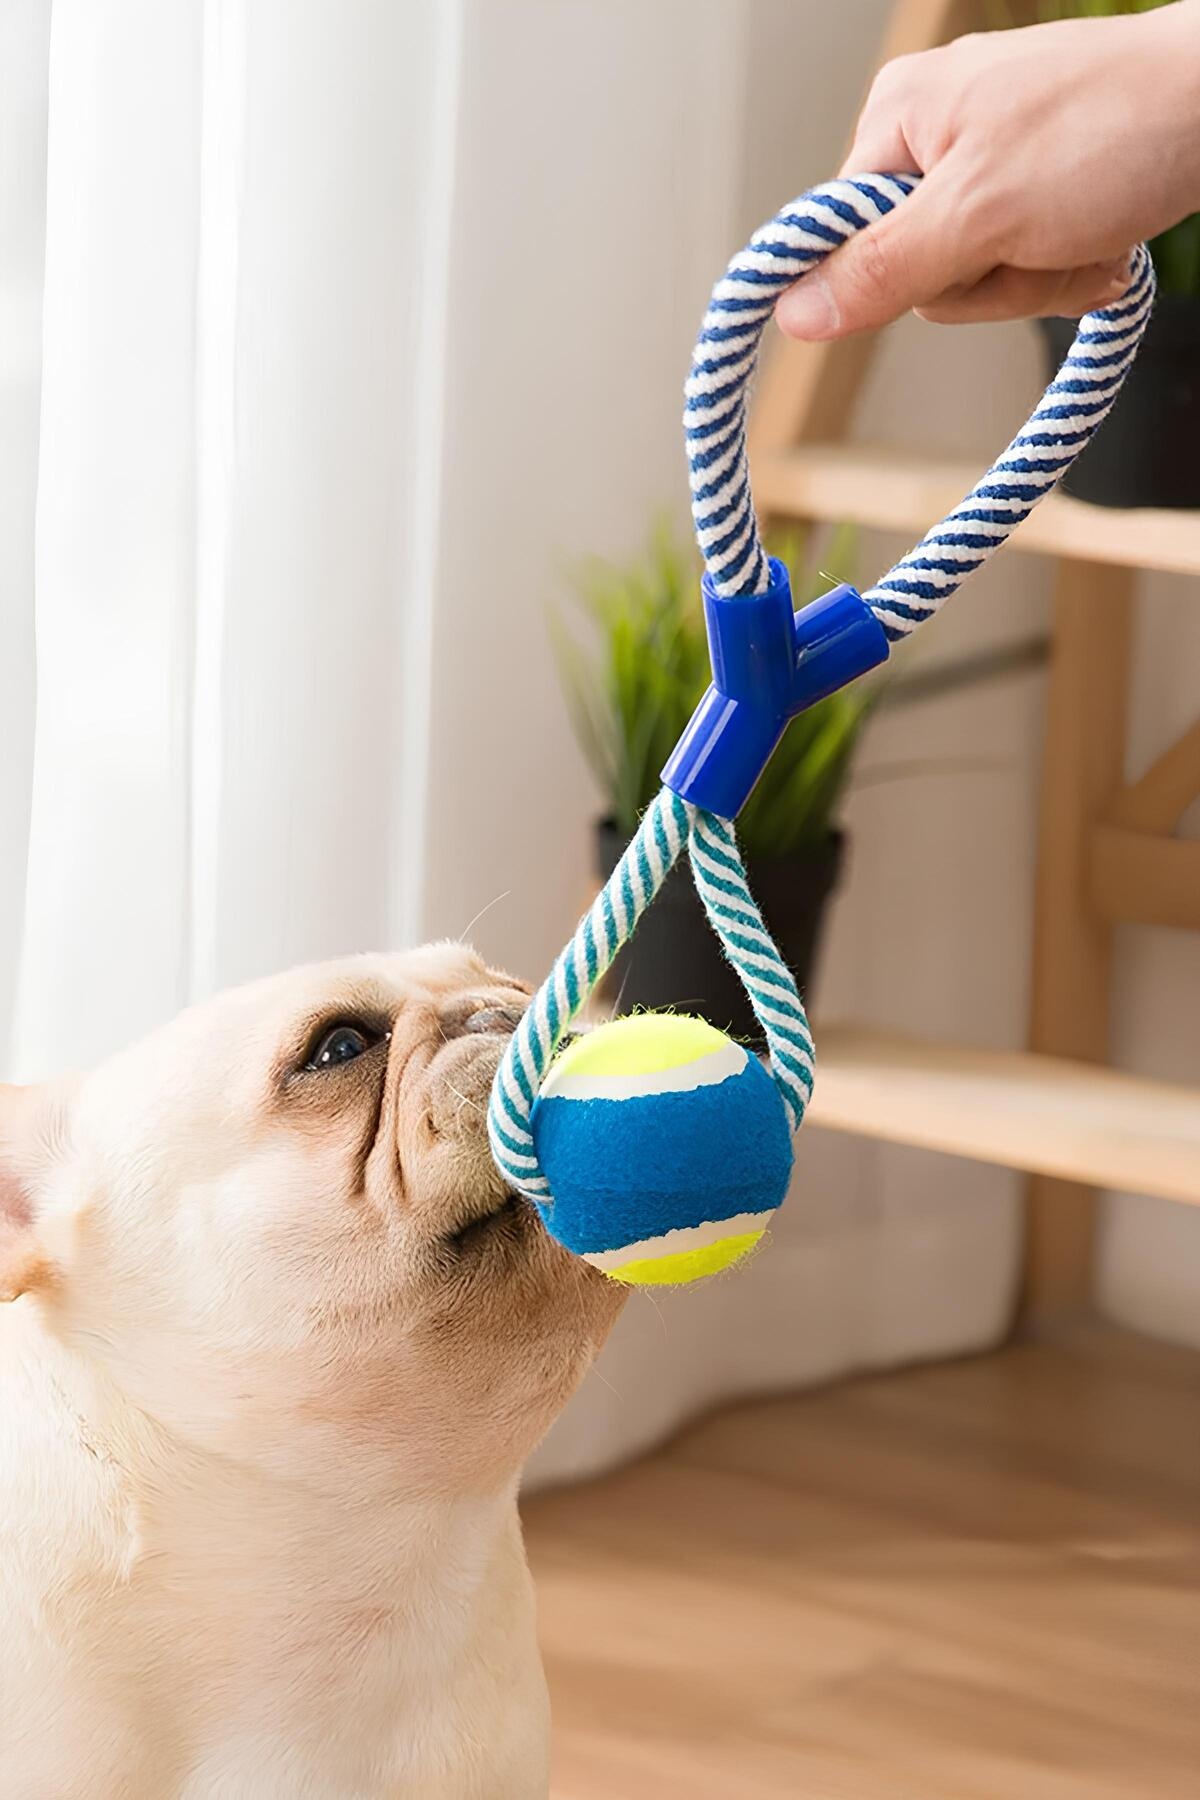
pixel 666 1146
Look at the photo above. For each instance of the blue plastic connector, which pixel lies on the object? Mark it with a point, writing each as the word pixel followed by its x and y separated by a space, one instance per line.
pixel 768 664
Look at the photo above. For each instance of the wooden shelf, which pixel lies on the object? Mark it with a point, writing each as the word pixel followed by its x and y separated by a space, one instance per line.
pixel 1016 1108
pixel 897 490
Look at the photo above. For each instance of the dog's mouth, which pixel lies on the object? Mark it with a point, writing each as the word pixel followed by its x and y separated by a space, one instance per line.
pixel 477 1036
pixel 458 1078
pixel 507 1218
pixel 477 1022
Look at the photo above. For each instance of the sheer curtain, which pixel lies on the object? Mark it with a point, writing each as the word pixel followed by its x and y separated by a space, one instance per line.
pixel 24 44
pixel 355 314
pixel 240 411
pixel 357 320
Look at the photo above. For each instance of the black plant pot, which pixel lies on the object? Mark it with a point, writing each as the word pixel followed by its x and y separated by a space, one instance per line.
pixel 674 958
pixel 1147 452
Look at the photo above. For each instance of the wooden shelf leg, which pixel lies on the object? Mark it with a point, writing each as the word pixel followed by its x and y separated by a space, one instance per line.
pixel 1082 772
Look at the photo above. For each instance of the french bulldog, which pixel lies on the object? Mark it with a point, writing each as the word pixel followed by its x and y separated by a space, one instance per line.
pixel 275 1343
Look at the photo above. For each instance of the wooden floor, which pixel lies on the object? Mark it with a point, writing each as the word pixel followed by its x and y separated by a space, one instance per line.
pixel 978 1581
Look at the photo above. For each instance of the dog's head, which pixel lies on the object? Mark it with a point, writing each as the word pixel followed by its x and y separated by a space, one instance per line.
pixel 275 1225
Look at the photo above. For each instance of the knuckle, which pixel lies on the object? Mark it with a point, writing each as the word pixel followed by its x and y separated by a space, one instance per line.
pixel 893 80
pixel 878 266
pixel 987 211
pixel 969 58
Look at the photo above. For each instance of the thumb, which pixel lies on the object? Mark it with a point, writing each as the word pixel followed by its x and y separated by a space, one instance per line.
pixel 908 258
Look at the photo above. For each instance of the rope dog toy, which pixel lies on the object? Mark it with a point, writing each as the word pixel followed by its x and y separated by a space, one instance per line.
pixel 655 1146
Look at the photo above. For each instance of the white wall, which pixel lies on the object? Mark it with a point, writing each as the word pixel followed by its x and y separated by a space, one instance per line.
pixel 581 262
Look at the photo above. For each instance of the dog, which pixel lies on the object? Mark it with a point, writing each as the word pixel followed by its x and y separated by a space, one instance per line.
pixel 277 1342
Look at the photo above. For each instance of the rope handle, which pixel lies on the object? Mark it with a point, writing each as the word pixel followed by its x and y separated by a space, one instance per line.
pixel 799 237
pixel 738 568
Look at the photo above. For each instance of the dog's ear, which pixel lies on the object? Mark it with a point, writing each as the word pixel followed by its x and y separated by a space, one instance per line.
pixel 26 1134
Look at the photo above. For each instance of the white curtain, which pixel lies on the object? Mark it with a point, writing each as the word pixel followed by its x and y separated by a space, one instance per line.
pixel 359 319
pixel 24 42
pixel 240 433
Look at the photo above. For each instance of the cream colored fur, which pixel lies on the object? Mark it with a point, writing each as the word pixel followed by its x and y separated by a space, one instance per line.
pixel 277 1346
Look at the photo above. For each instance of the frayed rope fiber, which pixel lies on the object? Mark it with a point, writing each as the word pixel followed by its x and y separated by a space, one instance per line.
pixel 717 395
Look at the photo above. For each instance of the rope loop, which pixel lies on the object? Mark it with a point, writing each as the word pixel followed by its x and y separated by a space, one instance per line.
pixel 716 400
pixel 717 392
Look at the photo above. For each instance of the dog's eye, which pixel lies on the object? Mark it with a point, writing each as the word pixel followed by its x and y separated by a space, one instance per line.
pixel 342 1043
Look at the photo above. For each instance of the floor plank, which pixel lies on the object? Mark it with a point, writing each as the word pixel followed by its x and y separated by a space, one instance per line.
pixel 975 1581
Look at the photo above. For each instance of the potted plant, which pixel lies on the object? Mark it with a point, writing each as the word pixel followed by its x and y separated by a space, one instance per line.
pixel 1145 455
pixel 631 691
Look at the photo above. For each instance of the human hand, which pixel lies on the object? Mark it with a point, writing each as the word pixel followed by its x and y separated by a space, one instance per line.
pixel 1047 154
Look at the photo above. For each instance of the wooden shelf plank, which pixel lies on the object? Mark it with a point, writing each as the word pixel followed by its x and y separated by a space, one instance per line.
pixel 898 490
pixel 1141 880
pixel 1014 1108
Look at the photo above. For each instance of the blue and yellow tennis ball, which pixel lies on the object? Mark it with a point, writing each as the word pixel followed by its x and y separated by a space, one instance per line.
pixel 666 1147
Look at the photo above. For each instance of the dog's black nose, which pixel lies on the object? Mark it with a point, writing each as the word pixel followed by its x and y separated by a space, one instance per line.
pixel 493 1018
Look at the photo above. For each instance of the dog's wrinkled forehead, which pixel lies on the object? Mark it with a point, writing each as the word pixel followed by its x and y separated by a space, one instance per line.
pixel 277 1011
pixel 224 1056
pixel 430 974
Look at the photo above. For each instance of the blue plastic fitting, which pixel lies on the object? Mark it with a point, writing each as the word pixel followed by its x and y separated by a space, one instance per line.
pixel 768 664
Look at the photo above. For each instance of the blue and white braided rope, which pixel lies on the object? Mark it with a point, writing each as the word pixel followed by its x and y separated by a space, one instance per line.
pixel 718 389
pixel 667 825
pixel 721 883
pixel 716 401
pixel 643 868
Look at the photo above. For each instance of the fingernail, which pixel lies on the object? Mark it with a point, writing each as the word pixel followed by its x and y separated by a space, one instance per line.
pixel 810 309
